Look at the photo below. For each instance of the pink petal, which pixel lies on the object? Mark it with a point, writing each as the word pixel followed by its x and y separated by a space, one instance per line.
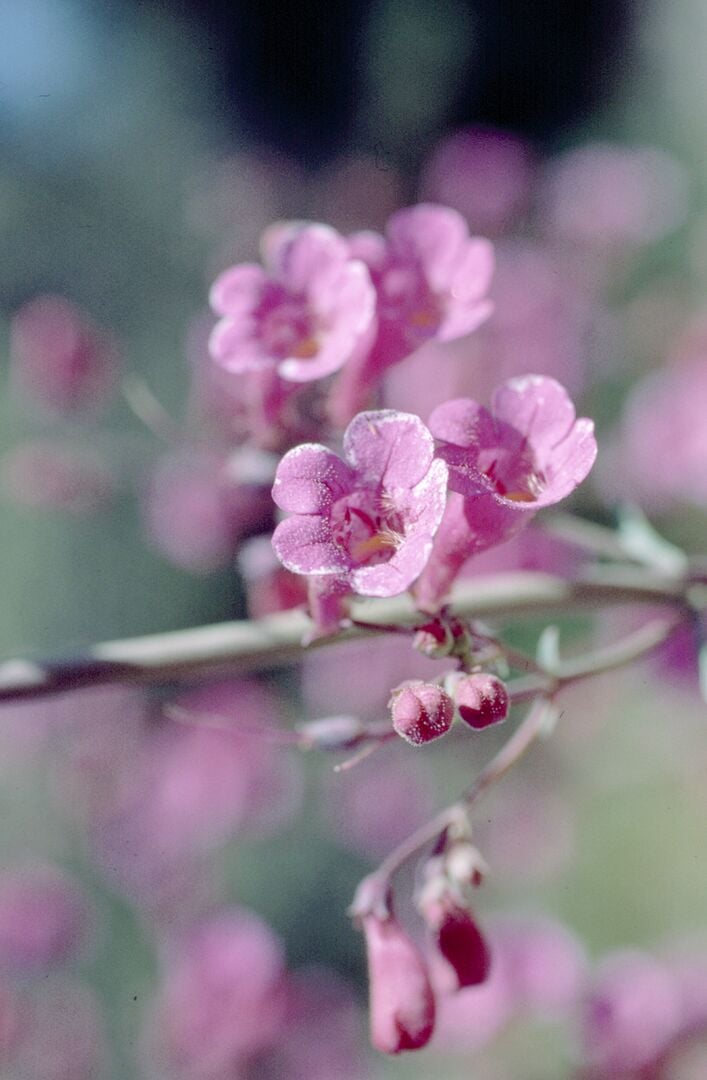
pixel 538 407
pixel 304 545
pixel 312 249
pixel 430 235
pixel 310 478
pixel 237 290
pixel 235 347
pixel 463 422
pixel 389 448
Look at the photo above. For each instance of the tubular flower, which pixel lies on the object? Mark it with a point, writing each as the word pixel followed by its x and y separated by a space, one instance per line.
pixel 303 315
pixel 402 1001
pixel 431 280
pixel 505 464
pixel 366 522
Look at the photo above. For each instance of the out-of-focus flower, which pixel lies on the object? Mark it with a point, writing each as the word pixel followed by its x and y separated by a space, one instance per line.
pixel 431 280
pixel 60 360
pixel 657 468
pixel 52 476
pixel 630 1014
pixel 483 173
pixel 545 965
pixel 378 804
pixel 269 586
pixel 608 196
pixel 304 315
pixel 221 999
pixel 402 1004
pixel 421 711
pixel 321 1036
pixel 197 511
pixel 545 318
pixel 367 521
pixel 43 918
pixel 528 452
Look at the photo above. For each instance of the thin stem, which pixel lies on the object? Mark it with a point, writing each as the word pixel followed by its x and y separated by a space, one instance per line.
pixel 237 647
pixel 542 688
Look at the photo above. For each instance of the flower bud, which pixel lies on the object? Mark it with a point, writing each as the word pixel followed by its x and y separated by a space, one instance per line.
pixel 421 712
pixel 435 639
pixel 481 700
pixel 463 946
pixel 401 999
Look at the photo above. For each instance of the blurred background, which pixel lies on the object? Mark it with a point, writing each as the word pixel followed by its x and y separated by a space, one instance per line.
pixel 145 147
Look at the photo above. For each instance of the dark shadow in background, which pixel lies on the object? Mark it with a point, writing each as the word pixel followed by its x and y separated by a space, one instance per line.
pixel 294 68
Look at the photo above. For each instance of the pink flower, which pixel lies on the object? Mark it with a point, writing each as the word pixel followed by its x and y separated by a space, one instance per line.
pixel 401 1000
pixel 221 999
pixel 197 511
pixel 43 918
pixel 650 463
pixel 631 1013
pixel 431 281
pixel 483 173
pixel 609 196
pixel 60 360
pixel 304 315
pixel 367 521
pixel 529 451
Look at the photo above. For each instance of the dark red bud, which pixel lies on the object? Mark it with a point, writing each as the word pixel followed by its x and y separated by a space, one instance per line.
pixel 481 700
pixel 421 712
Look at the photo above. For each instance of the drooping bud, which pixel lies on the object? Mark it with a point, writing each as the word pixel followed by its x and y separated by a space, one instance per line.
pixel 462 944
pixel 402 1003
pixel 453 927
pixel 434 639
pixel 482 700
pixel 421 711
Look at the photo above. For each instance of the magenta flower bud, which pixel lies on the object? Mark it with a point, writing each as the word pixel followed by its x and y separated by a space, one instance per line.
pixel 459 940
pixel 401 999
pixel 421 712
pixel 481 700
pixel 435 639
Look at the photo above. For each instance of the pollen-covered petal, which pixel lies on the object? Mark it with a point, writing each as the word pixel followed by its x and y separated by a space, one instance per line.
pixel 310 478
pixel 238 290
pixel 462 422
pixel 538 407
pixel 304 545
pixel 422 513
pixel 389 448
pixel 570 463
